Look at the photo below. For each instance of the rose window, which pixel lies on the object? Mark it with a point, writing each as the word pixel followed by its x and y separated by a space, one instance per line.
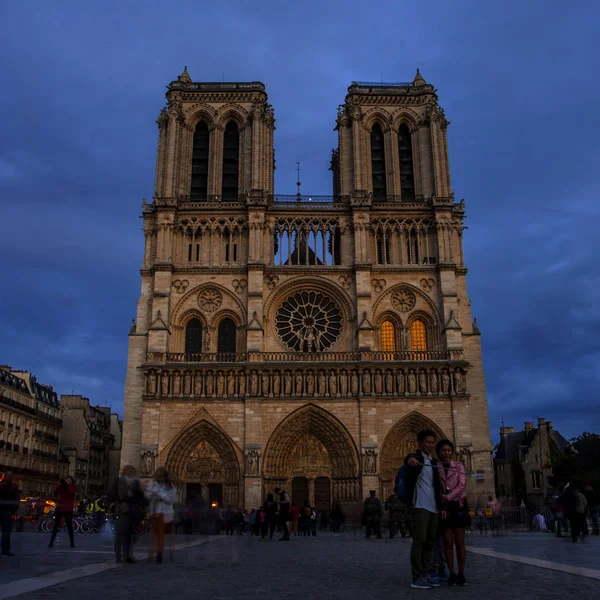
pixel 308 322
pixel 403 300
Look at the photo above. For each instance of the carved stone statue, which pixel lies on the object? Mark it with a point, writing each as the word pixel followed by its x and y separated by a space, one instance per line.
pixel 220 384
pixel 445 382
pixel 148 462
pixel 241 384
pixel 276 383
pixel 210 384
pixel 412 382
pixel 366 382
pixel 310 383
pixel 164 382
pixel 264 380
pixel 299 384
pixel 332 383
pixel 252 459
pixel 344 383
pixel 370 461
pixel 177 384
pixel 459 382
pixel 378 382
pixel 422 382
pixel 400 381
pixel 187 383
pixel 253 383
pixel 231 384
pixel 433 382
pixel 287 383
pixel 354 383
pixel 197 384
pixel 389 383
pixel 322 383
pixel 151 389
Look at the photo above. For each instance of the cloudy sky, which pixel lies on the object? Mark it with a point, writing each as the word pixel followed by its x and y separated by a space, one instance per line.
pixel 82 85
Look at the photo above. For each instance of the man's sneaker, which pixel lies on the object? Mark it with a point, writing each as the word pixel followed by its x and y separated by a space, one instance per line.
pixel 421 583
pixel 451 579
pixel 460 580
pixel 433 580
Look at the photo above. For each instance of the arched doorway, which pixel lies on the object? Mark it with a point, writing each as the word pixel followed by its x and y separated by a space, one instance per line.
pixel 312 448
pixel 226 337
pixel 203 462
pixel 400 441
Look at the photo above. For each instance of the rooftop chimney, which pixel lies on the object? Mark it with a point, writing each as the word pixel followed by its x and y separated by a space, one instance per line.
pixel 528 426
pixel 549 425
pixel 541 421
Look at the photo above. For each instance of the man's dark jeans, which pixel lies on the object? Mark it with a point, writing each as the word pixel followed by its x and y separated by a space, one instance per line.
pixel 6 522
pixel 424 530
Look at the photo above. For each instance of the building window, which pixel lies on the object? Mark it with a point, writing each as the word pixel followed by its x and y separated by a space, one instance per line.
pixel 536 479
pixel 193 337
pixel 199 190
pixel 378 162
pixel 231 151
pixel 226 337
pixel 388 337
pixel 418 336
pixel 407 178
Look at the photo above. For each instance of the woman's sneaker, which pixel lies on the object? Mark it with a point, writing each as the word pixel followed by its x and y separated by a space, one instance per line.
pixel 421 583
pixel 451 579
pixel 460 580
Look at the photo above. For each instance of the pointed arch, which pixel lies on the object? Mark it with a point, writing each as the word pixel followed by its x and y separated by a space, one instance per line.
pixel 200 157
pixel 378 171
pixel 231 160
pixel 405 156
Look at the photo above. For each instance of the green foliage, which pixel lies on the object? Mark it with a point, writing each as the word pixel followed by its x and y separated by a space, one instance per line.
pixel 580 463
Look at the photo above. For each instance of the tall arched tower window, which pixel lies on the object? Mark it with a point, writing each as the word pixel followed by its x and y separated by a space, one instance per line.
pixel 226 342
pixel 378 162
pixel 193 337
pixel 388 337
pixel 418 336
pixel 199 190
pixel 231 152
pixel 407 178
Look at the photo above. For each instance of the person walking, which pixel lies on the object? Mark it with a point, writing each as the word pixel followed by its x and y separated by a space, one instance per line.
pixel 9 504
pixel 455 516
pixel 161 494
pixel 372 514
pixel 579 513
pixel 65 493
pixel 126 494
pixel 284 512
pixel 269 522
pixel 423 480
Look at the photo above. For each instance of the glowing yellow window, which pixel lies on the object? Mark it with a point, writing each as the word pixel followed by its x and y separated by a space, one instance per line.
pixel 388 337
pixel 418 338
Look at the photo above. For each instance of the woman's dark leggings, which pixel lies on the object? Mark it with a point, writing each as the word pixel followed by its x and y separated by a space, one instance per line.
pixel 58 517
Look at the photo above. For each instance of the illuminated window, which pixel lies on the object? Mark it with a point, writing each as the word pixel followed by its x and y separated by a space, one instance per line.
pixel 418 338
pixel 388 337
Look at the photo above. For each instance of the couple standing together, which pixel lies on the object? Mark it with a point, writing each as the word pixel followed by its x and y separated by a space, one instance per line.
pixel 436 491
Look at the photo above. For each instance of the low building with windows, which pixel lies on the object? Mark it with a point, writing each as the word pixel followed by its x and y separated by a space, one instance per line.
pixel 302 341
pixel 30 430
pixel 87 442
pixel 523 466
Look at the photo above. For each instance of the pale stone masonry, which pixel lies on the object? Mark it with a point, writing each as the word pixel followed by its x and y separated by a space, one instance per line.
pixel 302 341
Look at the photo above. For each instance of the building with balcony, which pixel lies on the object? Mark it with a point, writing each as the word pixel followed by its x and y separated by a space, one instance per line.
pixel 523 465
pixel 87 441
pixel 302 341
pixel 30 429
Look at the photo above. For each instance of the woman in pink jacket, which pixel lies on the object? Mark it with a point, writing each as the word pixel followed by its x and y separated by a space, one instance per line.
pixel 455 515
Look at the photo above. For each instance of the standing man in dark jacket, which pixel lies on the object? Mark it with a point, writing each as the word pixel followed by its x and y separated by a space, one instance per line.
pixel 9 503
pixel 372 512
pixel 423 477
pixel 285 506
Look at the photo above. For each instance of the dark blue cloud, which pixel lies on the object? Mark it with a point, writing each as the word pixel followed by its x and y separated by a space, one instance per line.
pixel 83 84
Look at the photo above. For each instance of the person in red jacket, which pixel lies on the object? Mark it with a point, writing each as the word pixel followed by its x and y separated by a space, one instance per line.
pixel 65 492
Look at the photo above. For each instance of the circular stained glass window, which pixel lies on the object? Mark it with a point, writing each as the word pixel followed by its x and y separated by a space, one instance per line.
pixel 308 322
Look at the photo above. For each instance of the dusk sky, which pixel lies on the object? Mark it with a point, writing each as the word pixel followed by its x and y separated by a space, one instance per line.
pixel 82 86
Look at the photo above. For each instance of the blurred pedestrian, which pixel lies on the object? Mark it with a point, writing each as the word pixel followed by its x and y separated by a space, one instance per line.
pixel 161 494
pixel 65 493
pixel 9 503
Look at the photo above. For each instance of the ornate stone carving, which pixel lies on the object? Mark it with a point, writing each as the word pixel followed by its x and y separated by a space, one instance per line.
pixel 241 377
pixel 253 383
pixel 151 383
pixel 378 285
pixel 378 382
pixel 459 382
pixel 180 285
pixel 264 379
pixel 403 300
pixel 239 285
pixel 412 382
pixel 177 384
pixel 389 383
pixel 427 284
pixel 422 382
pixel 433 382
pixel 445 382
pixel 210 384
pixel 252 463
pixel 345 281
pixel 220 384
pixel 187 383
pixel 271 281
pixel 148 462
pixel 287 383
pixel 310 383
pixel 276 383
pixel 332 383
pixel 400 381
pixel 164 383
pixel 366 377
pixel 210 299
pixel 370 461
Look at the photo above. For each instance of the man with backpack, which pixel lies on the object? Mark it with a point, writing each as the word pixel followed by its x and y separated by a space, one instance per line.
pixel 418 484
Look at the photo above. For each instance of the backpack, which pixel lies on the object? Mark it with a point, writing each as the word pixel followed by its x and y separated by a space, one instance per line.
pixel 307 512
pixel 404 490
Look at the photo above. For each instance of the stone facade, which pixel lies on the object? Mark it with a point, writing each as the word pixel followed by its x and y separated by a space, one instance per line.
pixel 87 441
pixel 303 340
pixel 30 429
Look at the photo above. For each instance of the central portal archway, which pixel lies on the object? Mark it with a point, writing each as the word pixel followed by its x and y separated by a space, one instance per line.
pixel 312 455
pixel 203 461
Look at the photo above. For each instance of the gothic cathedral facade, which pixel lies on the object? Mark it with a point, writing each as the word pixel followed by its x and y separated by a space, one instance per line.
pixel 302 341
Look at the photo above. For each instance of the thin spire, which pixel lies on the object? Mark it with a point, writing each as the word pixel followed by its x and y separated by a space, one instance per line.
pixel 185 76
pixel 419 79
pixel 298 183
